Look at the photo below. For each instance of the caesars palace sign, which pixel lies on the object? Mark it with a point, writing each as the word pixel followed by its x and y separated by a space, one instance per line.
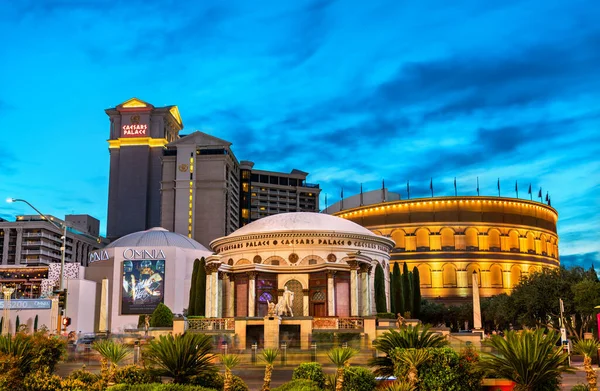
pixel 128 253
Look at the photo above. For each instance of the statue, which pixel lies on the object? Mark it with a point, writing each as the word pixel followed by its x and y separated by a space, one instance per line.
pixel 285 305
pixel 271 309
pixel 400 320
pixel 146 324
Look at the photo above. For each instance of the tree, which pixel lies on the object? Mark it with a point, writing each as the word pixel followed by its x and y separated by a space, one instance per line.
pixel 17 324
pixel 398 294
pixel 586 294
pixel 589 348
pixel 201 289
pixel 531 359
pixel 498 312
pixel 268 356
pixel 230 361
pixel 592 275
pixel 406 289
pixel 341 357
pixel 181 356
pixel 192 303
pixel 380 298
pixel 162 316
pixel 416 286
pixel 392 295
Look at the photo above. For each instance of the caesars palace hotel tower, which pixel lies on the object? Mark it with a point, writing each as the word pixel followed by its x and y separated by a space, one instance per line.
pixel 138 133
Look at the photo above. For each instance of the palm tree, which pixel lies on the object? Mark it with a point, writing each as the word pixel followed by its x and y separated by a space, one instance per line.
pixel 181 356
pixel 408 337
pixel 588 347
pixel 340 357
pixel 230 361
pixel 412 359
pixel 268 356
pixel 399 386
pixel 20 348
pixel 112 354
pixel 531 359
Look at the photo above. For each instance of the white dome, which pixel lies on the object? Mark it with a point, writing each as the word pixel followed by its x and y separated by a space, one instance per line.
pixel 301 222
pixel 157 237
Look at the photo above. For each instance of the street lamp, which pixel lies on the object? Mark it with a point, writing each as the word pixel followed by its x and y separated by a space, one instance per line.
pixel 64 237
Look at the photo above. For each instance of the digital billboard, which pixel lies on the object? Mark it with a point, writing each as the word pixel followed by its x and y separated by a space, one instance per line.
pixel 143 286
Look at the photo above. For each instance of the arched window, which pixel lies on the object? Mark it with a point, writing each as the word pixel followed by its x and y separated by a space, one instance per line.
pixel 494 240
pixel 425 275
pixel 422 240
pixel 265 297
pixel 530 243
pixel 447 239
pixel 496 276
pixel 298 304
pixel 449 275
pixel 513 241
pixel 515 275
pixel 399 237
pixel 318 296
pixel 471 241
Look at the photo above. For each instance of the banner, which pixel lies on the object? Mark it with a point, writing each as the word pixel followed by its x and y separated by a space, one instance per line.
pixel 143 286
pixel 28 304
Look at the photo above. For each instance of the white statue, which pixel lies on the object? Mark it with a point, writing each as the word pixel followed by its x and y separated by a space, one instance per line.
pixel 285 305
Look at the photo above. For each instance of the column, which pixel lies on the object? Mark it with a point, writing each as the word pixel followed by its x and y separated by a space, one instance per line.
pixel 386 272
pixel 231 297
pixel 370 290
pixel 220 287
pixel 305 303
pixel 5 248
pixel 330 293
pixel 353 287
pixel 364 290
pixel 208 301
pixel 251 293
pixel 216 293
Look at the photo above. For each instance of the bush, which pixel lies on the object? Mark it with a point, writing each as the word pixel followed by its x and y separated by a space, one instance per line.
pixel 386 315
pixel 161 317
pixel 209 380
pixel 132 374
pixel 10 375
pixel 358 379
pixel 580 387
pixel 299 385
pixel 310 371
pixel 46 351
pixel 447 370
pixel 42 380
pixel 73 385
pixel 84 376
pixel 157 387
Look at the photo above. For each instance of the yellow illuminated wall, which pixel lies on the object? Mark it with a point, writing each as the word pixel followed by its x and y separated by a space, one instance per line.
pixel 448 238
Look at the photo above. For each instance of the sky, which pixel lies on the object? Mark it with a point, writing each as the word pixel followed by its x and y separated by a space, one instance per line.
pixel 350 91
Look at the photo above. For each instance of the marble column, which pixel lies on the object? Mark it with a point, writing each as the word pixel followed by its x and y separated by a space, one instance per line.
pixel 372 289
pixel 231 297
pixel 251 293
pixel 305 303
pixel 330 293
pixel 353 287
pixel 364 290
pixel 208 301
pixel 221 285
pixel 216 293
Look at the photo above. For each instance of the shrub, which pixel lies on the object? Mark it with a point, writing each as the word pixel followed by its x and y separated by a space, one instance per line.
pixel 445 370
pixel 208 380
pixel 358 379
pixel 162 316
pixel 10 375
pixel 47 351
pixel 20 348
pixel 310 371
pixel 157 387
pixel 386 315
pixel 580 387
pixel 113 352
pixel 237 384
pixel 42 380
pixel 133 374
pixel 299 385
pixel 73 385
pixel 84 376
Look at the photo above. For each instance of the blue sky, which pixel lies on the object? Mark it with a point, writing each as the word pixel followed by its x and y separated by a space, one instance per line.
pixel 351 92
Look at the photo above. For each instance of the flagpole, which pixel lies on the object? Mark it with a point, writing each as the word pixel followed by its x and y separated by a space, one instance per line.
pixel 498 187
pixel 431 186
pixel 455 191
pixel 517 188
pixel 408 189
pixel 477 186
pixel 342 199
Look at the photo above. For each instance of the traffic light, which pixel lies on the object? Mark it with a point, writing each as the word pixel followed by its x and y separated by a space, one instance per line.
pixel 62 298
pixel 66 321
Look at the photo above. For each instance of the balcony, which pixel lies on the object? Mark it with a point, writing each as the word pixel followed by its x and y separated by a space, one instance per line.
pixel 211 324
pixel 332 323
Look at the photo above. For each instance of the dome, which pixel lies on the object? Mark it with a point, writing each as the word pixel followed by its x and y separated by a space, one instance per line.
pixel 301 222
pixel 157 237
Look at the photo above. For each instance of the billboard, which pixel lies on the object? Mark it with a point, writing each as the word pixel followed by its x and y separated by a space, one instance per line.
pixel 143 286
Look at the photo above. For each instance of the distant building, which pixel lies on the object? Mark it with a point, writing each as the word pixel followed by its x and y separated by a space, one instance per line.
pixel 267 193
pixel 358 200
pixel 32 241
pixel 138 133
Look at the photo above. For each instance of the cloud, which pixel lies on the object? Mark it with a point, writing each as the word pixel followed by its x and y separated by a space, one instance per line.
pixel 584 260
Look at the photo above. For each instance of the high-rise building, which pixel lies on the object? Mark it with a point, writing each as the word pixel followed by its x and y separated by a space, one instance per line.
pixel 267 193
pixel 33 241
pixel 138 133
pixel 200 188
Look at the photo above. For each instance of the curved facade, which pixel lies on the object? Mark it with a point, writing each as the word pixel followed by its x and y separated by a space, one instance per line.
pixel 326 261
pixel 448 238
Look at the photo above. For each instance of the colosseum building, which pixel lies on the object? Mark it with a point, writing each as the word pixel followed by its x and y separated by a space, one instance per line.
pixel 448 238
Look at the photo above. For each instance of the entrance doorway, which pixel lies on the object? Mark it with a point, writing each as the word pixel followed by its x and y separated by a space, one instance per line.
pixel 255 334
pixel 290 334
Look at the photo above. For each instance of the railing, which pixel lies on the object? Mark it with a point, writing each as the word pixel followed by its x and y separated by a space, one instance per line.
pixel 211 324
pixel 338 323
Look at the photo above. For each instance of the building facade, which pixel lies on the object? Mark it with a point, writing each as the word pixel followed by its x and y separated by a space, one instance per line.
pixel 33 241
pixel 327 263
pixel 449 238
pixel 267 193
pixel 138 133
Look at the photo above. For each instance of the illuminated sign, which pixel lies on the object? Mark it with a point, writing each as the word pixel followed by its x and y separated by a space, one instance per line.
pixel 143 286
pixel 130 253
pixel 100 255
pixel 28 304
pixel 304 241
pixel 135 128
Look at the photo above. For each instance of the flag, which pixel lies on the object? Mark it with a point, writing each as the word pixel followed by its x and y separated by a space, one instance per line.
pixel 408 189
pixel 498 187
pixel 529 191
pixel 455 193
pixel 477 185
pixel 547 197
pixel 342 199
pixel 517 188
pixel 383 190
pixel 549 201
pixel 361 195
pixel 431 186
pixel 540 193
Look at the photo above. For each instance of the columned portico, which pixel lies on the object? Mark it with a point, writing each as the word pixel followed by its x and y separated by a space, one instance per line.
pixel 330 293
pixel 252 293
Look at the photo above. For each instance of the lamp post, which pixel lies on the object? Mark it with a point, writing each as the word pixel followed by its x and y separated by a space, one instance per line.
pixel 7 295
pixel 63 249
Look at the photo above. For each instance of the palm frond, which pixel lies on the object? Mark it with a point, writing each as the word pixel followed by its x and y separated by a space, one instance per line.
pixel 587 347
pixel 112 351
pixel 268 356
pixel 341 356
pixel 230 361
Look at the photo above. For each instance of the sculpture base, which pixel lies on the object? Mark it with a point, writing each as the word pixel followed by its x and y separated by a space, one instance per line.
pixel 271 331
